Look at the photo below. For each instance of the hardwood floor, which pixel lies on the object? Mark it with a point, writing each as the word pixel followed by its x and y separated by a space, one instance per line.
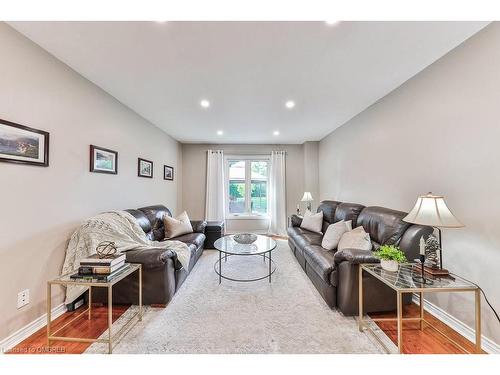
pixel 427 341
pixel 81 327
pixel 415 341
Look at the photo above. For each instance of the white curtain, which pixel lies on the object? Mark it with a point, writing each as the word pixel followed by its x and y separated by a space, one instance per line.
pixel 277 194
pixel 216 193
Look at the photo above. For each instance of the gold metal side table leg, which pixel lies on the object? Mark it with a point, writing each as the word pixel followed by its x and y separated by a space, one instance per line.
pixel 49 310
pixel 400 322
pixel 421 300
pixel 90 302
pixel 140 292
pixel 478 320
pixel 360 297
pixel 110 318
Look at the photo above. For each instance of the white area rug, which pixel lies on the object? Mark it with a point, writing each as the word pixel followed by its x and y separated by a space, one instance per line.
pixel 286 316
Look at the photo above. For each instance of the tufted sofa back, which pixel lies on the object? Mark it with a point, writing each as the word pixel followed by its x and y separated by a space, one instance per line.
pixel 151 220
pixel 384 225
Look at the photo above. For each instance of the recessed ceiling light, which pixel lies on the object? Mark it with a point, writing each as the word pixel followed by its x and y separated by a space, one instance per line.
pixel 205 103
pixel 290 104
pixel 220 132
pixel 276 132
pixel 331 23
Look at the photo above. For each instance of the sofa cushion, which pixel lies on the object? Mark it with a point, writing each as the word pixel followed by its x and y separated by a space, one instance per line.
pixel 155 215
pixel 355 239
pixel 303 237
pixel 320 261
pixel 196 239
pixel 175 227
pixel 348 211
pixel 333 234
pixel 143 222
pixel 385 226
pixel 328 208
pixel 313 223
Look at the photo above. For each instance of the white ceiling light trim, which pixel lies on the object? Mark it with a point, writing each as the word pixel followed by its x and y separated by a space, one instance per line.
pixel 290 104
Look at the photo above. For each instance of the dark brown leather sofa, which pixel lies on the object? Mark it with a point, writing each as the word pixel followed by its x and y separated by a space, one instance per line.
pixel 335 273
pixel 162 273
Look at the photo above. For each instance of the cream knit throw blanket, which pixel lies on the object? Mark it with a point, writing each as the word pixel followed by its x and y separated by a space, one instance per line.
pixel 121 228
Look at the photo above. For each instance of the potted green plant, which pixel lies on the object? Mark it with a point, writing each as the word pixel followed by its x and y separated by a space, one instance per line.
pixel 390 256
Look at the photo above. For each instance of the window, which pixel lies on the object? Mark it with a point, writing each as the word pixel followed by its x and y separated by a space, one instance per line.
pixel 247 186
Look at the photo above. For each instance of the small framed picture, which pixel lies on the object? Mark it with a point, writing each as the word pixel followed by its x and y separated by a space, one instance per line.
pixel 103 160
pixel 23 145
pixel 144 168
pixel 168 173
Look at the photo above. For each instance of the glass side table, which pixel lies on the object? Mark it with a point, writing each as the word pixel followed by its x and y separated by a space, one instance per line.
pixel 402 282
pixel 125 271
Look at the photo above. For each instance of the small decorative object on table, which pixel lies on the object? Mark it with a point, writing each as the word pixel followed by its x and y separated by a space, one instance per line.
pixel 245 238
pixel 432 249
pixel 422 279
pixel 390 256
pixel 298 210
pixel 106 249
pixel 432 261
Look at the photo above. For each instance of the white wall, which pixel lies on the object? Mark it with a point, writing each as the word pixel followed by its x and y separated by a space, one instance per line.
pixel 438 132
pixel 194 165
pixel 41 207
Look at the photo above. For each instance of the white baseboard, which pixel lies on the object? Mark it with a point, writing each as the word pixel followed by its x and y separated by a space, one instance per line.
pixel 25 332
pixel 487 344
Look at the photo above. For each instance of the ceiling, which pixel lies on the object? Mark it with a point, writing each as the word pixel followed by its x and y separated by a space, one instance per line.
pixel 248 70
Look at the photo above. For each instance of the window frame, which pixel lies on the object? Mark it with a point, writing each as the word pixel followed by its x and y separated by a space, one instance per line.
pixel 248 214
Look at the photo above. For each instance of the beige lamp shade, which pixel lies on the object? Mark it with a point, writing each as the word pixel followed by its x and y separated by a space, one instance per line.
pixel 432 210
pixel 307 197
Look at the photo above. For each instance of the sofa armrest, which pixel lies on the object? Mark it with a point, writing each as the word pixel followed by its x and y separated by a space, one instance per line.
pixel 355 256
pixel 152 258
pixel 295 220
pixel 198 226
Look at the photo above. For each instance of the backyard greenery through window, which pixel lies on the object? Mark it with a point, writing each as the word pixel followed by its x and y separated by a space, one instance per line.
pixel 247 181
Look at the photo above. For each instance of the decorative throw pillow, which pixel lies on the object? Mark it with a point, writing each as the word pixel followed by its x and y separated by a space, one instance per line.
pixel 333 234
pixel 355 239
pixel 312 222
pixel 178 226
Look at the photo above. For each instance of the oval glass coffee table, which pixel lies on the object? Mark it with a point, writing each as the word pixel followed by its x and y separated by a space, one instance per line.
pixel 263 246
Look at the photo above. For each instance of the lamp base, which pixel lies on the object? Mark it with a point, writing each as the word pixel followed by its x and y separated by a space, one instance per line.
pixel 432 271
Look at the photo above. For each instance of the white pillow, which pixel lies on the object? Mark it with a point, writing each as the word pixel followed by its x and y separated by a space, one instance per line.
pixel 355 239
pixel 311 222
pixel 178 226
pixel 333 234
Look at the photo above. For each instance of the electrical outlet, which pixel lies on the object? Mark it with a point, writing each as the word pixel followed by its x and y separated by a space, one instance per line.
pixel 23 298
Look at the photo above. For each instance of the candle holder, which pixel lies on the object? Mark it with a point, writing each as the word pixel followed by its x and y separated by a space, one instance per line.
pixel 422 279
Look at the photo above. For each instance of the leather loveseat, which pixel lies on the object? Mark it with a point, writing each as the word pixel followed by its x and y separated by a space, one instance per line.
pixel 335 273
pixel 162 273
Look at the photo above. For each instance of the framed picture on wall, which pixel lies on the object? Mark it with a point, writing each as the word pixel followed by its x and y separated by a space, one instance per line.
pixel 103 160
pixel 23 145
pixel 168 173
pixel 144 168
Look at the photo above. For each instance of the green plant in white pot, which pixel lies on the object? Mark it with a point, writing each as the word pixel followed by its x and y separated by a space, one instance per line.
pixel 390 256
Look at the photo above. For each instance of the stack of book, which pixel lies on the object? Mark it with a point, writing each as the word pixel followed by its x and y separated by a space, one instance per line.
pixel 98 269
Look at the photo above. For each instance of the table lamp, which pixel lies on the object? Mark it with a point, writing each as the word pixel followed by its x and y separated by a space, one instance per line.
pixel 307 197
pixel 432 210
